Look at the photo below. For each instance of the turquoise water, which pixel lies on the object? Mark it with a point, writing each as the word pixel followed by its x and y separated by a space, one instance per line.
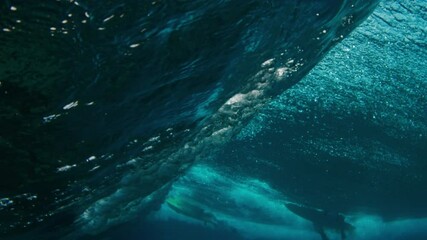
pixel 219 120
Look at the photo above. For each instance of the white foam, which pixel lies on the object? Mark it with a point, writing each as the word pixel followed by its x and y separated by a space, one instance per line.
pixel 258 211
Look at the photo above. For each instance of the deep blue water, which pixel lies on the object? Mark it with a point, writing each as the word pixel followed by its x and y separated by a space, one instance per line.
pixel 209 119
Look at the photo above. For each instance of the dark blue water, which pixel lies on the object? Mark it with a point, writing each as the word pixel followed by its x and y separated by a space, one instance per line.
pixel 204 120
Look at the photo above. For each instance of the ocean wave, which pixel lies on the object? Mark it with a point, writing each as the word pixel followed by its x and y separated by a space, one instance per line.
pixel 106 103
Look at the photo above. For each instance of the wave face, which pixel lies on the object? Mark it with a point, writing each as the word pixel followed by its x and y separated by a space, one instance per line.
pixel 105 103
pixel 352 135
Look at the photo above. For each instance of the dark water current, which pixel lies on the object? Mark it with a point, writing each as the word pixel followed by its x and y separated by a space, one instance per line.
pixel 104 104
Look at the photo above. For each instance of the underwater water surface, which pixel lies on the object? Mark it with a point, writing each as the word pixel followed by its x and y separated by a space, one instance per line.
pixel 213 119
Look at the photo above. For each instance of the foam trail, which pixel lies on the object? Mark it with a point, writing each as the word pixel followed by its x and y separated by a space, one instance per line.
pixel 256 211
